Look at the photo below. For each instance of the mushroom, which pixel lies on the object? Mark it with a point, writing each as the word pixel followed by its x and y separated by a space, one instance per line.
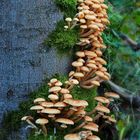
pixel 93 137
pixel 47 104
pixel 102 108
pixel 28 120
pixel 72 137
pixel 37 107
pixel 102 99
pixel 53 97
pixel 55 89
pixel 92 127
pixel 112 95
pixel 42 122
pixel 39 100
pixel 68 20
pixel 50 111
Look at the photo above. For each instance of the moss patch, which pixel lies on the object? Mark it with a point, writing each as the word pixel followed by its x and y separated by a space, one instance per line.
pixel 67 6
pixel 62 40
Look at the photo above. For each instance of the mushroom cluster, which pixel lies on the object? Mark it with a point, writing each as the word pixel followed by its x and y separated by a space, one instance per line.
pixel 61 109
pixel 89 67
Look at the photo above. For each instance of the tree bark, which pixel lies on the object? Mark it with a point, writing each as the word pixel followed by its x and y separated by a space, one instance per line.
pixel 125 94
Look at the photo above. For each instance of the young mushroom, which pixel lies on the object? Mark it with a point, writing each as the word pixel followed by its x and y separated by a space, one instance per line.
pixel 28 120
pixel 42 122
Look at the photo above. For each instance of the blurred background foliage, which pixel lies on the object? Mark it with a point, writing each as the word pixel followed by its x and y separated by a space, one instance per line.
pixel 123 62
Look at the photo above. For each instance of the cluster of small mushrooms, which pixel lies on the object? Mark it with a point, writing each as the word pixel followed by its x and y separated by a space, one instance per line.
pixel 89 66
pixel 61 109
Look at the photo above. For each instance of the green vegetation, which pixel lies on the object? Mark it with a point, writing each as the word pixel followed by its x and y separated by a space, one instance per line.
pixel 67 6
pixel 62 40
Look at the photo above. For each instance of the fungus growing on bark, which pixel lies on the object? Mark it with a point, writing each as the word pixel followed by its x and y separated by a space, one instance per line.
pixel 88 72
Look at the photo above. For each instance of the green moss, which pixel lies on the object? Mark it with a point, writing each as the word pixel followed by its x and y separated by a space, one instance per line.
pixel 67 6
pixel 62 40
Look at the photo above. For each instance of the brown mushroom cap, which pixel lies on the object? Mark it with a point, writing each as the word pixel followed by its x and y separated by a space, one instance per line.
pixel 88 119
pixel 74 81
pixel 112 119
pixel 112 95
pixel 37 107
pixel 38 100
pixel 47 104
pixel 102 109
pixel 77 64
pixel 64 91
pixel 65 121
pixel 78 74
pixel 50 111
pixel 76 103
pixel 72 137
pixel 91 127
pixel 96 83
pixel 55 89
pixel 27 118
pixel 53 97
pixel 60 104
pixel 80 112
pixel 102 99
pixel 54 80
pixel 41 121
pixel 90 53
pixel 67 96
pixel 80 54
pixel 93 137
pixel 58 83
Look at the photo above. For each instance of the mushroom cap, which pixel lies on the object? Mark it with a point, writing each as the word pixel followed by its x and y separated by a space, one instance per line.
pixel 27 118
pixel 80 54
pixel 47 104
pixel 58 83
pixel 71 73
pixel 78 74
pixel 91 65
pixel 101 60
pixel 96 83
pixel 55 89
pixel 41 121
pixel 72 137
pixel 80 112
pixel 37 100
pixel 91 127
pixel 102 99
pixel 85 69
pixel 76 103
pixel 74 81
pixel 112 119
pixel 90 17
pixel 88 119
pixel 50 111
pixel 53 97
pixel 67 96
pixel 64 121
pixel 102 108
pixel 77 64
pixel 99 73
pixel 68 19
pixel 64 91
pixel 60 104
pixel 112 95
pixel 93 137
pixel 37 107
pixel 90 53
pixel 54 80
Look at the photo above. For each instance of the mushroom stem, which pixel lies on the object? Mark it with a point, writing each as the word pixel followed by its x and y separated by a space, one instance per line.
pixel 92 112
pixel 87 33
pixel 44 129
pixel 30 123
pixel 78 127
pixel 96 117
